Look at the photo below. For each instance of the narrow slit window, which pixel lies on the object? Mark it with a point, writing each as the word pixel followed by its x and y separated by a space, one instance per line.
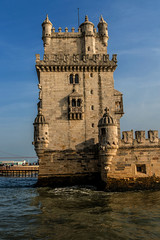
pixel 78 102
pixel 73 103
pixel 103 131
pixel 76 78
pixel 71 78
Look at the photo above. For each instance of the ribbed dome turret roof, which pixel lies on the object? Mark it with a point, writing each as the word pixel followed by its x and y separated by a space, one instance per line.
pixel 107 119
pixel 40 119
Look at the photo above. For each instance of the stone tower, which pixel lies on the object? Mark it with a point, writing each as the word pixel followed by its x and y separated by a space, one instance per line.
pixel 108 142
pixel 76 84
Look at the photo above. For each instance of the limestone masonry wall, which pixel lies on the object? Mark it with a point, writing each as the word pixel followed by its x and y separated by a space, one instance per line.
pixel 77 128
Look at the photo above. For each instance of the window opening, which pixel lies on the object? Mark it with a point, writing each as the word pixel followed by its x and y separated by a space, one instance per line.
pixel 73 103
pixel 78 102
pixel 141 168
pixel 103 131
pixel 75 108
pixel 76 78
pixel 71 79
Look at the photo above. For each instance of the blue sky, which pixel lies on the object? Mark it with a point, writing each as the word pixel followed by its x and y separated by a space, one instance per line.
pixel 134 34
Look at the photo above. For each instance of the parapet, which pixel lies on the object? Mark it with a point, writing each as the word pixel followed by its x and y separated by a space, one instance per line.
pixel 76 62
pixel 86 40
pixel 140 139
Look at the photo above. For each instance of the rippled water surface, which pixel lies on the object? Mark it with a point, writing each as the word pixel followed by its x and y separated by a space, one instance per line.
pixel 75 213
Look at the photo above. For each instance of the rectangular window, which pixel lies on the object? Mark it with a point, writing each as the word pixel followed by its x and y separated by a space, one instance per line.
pixel 141 168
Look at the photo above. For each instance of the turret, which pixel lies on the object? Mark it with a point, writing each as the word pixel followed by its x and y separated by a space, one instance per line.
pixel 41 138
pixel 87 29
pixel 46 31
pixel 87 26
pixel 108 142
pixel 103 31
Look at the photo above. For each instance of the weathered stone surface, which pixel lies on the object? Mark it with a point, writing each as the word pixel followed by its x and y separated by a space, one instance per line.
pixel 74 141
pixel 132 184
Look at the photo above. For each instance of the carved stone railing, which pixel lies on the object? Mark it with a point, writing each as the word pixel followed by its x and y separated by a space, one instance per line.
pixel 76 62
pixel 76 109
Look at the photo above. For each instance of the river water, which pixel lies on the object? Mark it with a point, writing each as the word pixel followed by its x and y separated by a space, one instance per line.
pixel 75 213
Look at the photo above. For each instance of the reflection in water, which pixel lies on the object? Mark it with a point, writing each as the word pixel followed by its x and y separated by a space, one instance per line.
pixel 78 213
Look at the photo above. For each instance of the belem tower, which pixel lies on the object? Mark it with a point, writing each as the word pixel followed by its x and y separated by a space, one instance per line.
pixel 77 129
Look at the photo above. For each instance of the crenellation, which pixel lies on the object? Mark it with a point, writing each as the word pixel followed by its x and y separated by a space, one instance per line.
pixel 76 61
pixel 59 29
pixel 77 128
pixel 37 58
pixel 73 29
pixel 127 137
pixel 153 136
pixel 140 136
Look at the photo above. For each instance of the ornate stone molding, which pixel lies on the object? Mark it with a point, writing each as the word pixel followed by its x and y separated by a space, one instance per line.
pixel 76 62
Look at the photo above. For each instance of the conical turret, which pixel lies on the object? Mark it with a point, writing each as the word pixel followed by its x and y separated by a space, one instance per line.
pixel 41 136
pixel 87 26
pixel 46 31
pixel 103 31
pixel 108 142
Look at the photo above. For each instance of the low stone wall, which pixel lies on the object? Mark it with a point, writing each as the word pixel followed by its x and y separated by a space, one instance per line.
pixel 135 162
pixel 133 168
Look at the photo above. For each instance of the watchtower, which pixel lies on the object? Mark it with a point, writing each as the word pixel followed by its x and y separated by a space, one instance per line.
pixel 76 84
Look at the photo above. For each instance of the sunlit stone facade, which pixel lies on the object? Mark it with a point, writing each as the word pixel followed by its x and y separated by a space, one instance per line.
pixel 77 130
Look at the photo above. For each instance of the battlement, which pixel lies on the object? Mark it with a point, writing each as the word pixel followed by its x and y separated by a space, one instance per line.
pixel 67 33
pixel 140 139
pixel 76 85
pixel 87 40
pixel 76 62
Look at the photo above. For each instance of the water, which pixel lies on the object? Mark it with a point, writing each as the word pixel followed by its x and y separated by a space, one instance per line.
pixel 75 213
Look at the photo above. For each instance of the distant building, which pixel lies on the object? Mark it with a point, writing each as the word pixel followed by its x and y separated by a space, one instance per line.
pixel 12 163
pixel 77 130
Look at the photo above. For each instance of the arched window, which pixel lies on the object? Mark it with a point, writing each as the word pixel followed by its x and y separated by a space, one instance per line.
pixel 73 103
pixel 75 106
pixel 71 78
pixel 78 102
pixel 76 78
